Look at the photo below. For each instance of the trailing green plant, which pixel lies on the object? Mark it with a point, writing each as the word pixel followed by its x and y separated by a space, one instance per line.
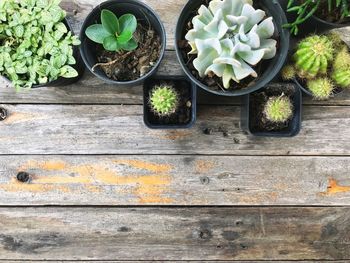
pixel 114 34
pixel 230 37
pixel 163 100
pixel 321 88
pixel 307 8
pixel 35 45
pixel 288 72
pixel 313 56
pixel 278 109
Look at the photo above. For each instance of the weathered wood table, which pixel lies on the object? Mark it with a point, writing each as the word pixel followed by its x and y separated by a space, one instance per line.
pixel 104 187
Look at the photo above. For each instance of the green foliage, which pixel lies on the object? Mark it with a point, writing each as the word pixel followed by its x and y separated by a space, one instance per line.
pixel 313 56
pixel 341 68
pixel 341 77
pixel 164 100
pixel 321 88
pixel 230 37
pixel 288 72
pixel 278 109
pixel 342 59
pixel 305 9
pixel 35 45
pixel 114 34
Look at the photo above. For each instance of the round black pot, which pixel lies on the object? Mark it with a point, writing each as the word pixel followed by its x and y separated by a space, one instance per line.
pixel 271 67
pixel 79 67
pixel 337 91
pixel 142 13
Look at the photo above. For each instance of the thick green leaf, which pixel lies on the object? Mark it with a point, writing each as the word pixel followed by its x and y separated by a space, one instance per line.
pixel 124 37
pixel 110 22
pixel 68 72
pixel 111 43
pixel 128 22
pixel 129 46
pixel 97 33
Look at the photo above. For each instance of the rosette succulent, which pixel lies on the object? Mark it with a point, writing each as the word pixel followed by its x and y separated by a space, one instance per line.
pixel 229 38
pixel 35 45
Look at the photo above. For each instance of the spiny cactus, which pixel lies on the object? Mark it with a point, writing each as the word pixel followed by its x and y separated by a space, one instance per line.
pixel 321 88
pixel 313 56
pixel 341 77
pixel 229 37
pixel 164 100
pixel 288 72
pixel 278 109
pixel 342 59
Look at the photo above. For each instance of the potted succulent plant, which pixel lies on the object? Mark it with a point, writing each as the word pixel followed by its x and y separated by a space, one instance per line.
pixel 320 67
pixel 123 42
pixel 275 111
pixel 317 16
pixel 231 47
pixel 169 102
pixel 37 45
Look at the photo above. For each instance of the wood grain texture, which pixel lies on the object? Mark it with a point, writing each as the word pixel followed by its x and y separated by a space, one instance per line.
pixel 175 180
pixel 115 129
pixel 175 234
pixel 172 261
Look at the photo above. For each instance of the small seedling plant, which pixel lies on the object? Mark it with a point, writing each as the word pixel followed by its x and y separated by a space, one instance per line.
pixel 307 8
pixel 114 34
pixel 163 100
pixel 36 47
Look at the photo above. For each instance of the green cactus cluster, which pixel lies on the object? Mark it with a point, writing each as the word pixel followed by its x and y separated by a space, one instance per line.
pixel 163 100
pixel 278 109
pixel 323 62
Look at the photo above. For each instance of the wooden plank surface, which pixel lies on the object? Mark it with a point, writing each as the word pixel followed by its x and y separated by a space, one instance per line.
pixel 115 129
pixel 175 233
pixel 175 180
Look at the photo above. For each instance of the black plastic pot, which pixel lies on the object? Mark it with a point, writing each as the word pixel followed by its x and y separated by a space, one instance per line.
pixel 142 13
pixel 79 67
pixel 271 67
pixel 337 91
pixel 294 125
pixel 151 120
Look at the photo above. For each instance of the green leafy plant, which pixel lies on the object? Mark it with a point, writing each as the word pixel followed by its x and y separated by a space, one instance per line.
pixel 114 34
pixel 306 8
pixel 278 109
pixel 35 45
pixel 229 38
pixel 321 88
pixel 164 100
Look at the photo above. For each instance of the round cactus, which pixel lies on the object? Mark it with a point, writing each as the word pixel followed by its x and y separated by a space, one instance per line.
pixel 164 100
pixel 313 56
pixel 288 72
pixel 278 109
pixel 321 88
pixel 341 77
pixel 342 59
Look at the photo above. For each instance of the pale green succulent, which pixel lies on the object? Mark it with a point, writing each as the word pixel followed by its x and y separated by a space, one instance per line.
pixel 229 37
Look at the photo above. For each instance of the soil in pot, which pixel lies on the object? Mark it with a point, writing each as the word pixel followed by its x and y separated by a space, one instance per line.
pixel 184 113
pixel 213 81
pixel 131 65
pixel 257 119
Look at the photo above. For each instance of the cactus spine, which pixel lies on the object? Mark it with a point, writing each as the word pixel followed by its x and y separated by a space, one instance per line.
pixel 341 77
pixel 164 100
pixel 288 72
pixel 313 56
pixel 278 109
pixel 321 88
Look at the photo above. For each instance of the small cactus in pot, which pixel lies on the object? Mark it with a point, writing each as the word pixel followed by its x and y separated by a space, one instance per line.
pixel 341 77
pixel 288 72
pixel 163 100
pixel 321 88
pixel 278 109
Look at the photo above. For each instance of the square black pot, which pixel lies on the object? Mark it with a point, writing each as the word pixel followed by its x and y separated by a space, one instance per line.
pixel 151 120
pixel 294 125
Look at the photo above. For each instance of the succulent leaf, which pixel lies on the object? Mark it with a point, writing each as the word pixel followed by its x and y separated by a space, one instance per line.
pixel 229 37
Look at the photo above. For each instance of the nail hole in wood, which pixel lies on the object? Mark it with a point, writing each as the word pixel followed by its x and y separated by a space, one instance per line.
pixel 23 177
pixel 3 114
pixel 205 180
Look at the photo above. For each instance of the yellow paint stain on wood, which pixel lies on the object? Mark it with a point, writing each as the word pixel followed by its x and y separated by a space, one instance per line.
pixel 202 166
pixel 54 165
pixel 335 188
pixel 152 167
pixel 18 117
pixel 175 135
pixel 16 186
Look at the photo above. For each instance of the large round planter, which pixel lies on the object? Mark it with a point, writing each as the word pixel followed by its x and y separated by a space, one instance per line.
pixel 142 13
pixel 271 67
pixel 79 67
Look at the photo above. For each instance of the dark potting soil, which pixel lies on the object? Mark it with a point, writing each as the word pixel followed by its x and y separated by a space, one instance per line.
pixel 213 81
pixel 335 16
pixel 183 114
pixel 131 65
pixel 257 118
